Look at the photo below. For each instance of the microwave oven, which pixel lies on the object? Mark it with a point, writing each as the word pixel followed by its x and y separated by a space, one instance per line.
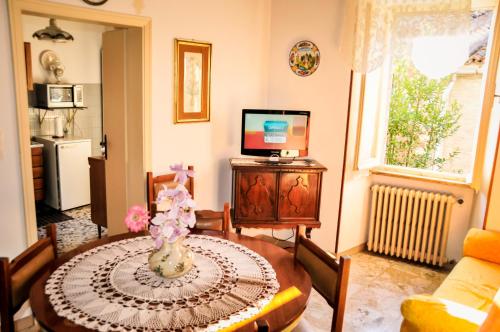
pixel 59 95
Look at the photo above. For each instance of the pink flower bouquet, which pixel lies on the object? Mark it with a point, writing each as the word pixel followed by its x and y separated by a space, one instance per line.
pixel 174 223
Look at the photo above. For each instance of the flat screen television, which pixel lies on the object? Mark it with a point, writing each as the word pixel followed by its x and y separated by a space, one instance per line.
pixel 275 132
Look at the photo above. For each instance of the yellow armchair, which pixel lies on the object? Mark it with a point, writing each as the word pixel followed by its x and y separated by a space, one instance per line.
pixel 466 299
pixel 492 322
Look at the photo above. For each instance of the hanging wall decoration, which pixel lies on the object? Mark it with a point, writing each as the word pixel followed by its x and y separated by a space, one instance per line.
pixel 304 58
pixel 192 81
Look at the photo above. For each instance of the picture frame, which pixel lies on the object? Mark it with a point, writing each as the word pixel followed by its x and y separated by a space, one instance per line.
pixel 27 61
pixel 192 81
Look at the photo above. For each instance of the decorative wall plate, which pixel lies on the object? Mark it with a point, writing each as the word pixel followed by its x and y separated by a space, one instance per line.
pixel 304 58
pixel 95 2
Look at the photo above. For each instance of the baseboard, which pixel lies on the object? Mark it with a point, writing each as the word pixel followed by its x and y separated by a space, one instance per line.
pixel 353 250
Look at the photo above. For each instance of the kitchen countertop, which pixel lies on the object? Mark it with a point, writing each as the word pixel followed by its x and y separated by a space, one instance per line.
pixel 36 145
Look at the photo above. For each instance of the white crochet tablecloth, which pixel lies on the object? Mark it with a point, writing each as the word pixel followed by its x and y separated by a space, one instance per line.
pixel 110 288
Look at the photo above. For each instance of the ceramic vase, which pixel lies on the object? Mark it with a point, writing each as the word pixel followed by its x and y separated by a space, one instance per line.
pixel 172 260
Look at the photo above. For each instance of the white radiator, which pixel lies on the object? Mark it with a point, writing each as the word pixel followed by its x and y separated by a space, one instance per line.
pixel 410 224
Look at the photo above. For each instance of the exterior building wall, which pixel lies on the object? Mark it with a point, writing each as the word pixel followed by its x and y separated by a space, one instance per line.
pixel 467 92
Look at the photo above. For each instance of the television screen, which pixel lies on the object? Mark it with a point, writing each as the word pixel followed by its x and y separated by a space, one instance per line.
pixel 266 132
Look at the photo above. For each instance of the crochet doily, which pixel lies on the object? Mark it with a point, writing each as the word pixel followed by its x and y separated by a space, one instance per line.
pixel 110 288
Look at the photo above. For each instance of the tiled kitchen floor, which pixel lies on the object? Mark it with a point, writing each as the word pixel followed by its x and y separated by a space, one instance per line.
pixel 74 232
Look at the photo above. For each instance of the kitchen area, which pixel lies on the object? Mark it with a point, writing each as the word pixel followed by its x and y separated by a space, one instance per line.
pixel 63 67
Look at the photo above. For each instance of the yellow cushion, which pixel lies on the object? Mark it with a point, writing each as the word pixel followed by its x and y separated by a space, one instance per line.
pixel 483 244
pixel 426 313
pixel 472 282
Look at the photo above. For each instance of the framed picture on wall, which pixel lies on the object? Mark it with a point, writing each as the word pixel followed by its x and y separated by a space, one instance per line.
pixel 192 81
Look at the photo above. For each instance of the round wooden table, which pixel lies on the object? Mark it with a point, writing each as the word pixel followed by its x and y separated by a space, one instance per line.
pixel 287 271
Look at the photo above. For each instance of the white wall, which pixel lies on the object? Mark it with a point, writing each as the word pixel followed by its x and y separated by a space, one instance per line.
pixel 81 57
pixel 325 93
pixel 355 202
pixel 238 31
pixel 13 235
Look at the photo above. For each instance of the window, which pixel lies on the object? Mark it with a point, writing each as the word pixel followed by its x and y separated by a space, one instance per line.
pixel 422 117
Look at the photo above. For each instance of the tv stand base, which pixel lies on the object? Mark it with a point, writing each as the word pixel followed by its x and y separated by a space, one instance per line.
pixel 277 196
pixel 308 231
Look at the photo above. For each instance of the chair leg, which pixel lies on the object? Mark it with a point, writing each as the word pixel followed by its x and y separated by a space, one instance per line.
pixel 261 326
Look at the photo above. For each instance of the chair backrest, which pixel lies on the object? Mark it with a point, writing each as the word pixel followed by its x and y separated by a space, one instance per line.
pixel 329 276
pixel 17 276
pixel 156 183
pixel 214 220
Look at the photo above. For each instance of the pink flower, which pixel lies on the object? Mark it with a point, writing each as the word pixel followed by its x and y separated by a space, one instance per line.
pixel 155 231
pixel 137 218
pixel 178 195
pixel 158 242
pixel 187 217
pixel 181 174
pixel 177 233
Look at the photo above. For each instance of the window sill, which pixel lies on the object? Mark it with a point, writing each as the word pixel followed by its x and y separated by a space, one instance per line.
pixel 417 177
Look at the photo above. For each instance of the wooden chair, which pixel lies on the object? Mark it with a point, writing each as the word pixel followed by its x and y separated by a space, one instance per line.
pixel 156 183
pixel 17 276
pixel 329 275
pixel 214 220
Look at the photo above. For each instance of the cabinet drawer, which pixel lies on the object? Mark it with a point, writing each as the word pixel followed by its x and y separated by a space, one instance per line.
pixel 36 151
pixel 38 183
pixel 255 196
pixel 298 196
pixel 37 172
pixel 37 161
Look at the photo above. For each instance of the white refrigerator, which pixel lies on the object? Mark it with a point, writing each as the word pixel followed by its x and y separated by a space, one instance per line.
pixel 66 166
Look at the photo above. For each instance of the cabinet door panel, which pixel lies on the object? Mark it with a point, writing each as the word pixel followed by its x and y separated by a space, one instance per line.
pixel 256 196
pixel 298 196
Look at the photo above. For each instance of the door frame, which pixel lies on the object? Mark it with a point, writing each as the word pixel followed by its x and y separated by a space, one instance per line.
pixel 76 13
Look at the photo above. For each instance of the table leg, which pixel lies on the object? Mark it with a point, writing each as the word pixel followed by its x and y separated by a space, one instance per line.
pixel 238 230
pixel 99 231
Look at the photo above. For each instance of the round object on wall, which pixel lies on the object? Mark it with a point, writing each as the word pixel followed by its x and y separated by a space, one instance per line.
pixel 95 2
pixel 304 58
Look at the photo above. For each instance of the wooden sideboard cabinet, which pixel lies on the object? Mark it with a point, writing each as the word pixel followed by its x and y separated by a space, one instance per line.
pixel 276 195
pixel 98 210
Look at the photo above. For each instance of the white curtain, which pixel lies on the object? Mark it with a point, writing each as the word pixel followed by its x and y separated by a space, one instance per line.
pixel 386 27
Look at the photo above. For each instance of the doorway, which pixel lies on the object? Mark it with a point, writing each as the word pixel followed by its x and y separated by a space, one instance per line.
pixel 129 133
